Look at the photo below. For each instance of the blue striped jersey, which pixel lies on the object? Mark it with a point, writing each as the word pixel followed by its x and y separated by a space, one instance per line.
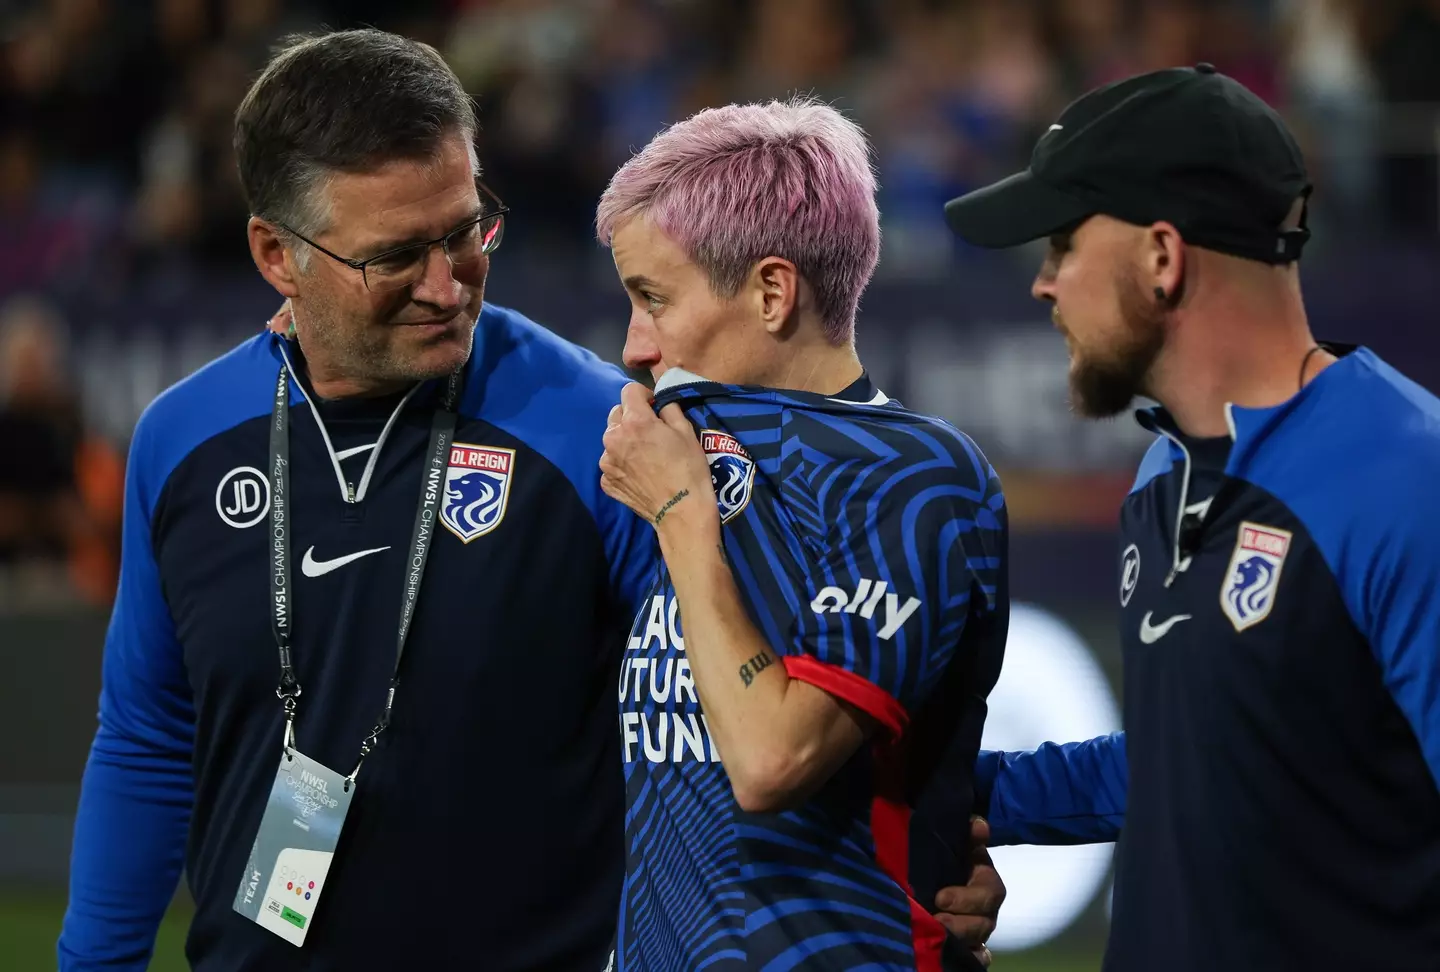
pixel 868 543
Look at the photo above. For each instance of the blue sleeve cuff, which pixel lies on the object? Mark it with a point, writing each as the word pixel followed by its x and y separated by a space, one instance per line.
pixel 987 767
pixel 1073 793
pixel 128 852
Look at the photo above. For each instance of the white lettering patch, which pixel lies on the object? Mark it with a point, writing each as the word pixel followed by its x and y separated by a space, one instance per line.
pixel 655 670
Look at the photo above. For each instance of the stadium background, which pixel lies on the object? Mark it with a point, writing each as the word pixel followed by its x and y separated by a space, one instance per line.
pixel 123 267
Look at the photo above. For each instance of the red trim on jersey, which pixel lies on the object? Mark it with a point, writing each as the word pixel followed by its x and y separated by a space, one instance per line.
pixel 889 813
pixel 855 689
pixel 890 827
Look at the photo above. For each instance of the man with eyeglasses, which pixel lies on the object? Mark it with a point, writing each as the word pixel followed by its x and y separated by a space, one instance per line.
pixel 358 678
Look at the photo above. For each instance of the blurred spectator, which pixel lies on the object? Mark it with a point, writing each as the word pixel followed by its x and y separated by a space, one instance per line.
pixel 1332 92
pixel 959 99
pixel 189 210
pixel 1402 39
pixel 1235 41
pixel 39 430
pixel 1167 34
pixel 642 64
pixel 39 237
pixel 795 48
pixel 60 490
pixel 1090 42
pixel 85 70
pixel 539 117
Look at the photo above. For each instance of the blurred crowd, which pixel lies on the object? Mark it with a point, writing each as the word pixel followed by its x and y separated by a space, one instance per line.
pixel 115 151
pixel 116 167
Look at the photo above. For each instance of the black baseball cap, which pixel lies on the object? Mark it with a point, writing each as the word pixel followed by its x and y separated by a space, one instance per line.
pixel 1186 145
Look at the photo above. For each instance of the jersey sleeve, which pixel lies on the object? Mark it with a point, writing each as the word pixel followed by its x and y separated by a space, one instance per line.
pixel 1390 576
pixel 912 550
pixel 631 555
pixel 1070 793
pixel 137 790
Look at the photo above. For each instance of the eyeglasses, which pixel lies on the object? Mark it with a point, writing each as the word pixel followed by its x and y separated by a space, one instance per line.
pixel 405 265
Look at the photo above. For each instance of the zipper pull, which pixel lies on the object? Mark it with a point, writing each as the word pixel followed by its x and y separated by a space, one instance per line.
pixel 349 492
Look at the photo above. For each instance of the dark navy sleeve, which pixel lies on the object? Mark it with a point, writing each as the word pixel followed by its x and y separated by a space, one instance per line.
pixel 137 790
pixel 1071 793
pixel 909 547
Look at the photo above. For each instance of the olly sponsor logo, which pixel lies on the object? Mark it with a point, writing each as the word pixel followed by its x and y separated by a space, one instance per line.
pixel 866 598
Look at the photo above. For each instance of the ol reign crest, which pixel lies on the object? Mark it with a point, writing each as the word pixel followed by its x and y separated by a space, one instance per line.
pixel 1250 584
pixel 731 470
pixel 477 487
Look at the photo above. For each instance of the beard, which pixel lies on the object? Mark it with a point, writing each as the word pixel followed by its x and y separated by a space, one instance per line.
pixel 380 354
pixel 1103 383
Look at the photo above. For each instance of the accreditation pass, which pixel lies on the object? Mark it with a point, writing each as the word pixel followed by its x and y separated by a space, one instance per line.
pixel 293 848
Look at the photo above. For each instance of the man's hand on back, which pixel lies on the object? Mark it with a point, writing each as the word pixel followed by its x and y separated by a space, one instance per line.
pixel 969 912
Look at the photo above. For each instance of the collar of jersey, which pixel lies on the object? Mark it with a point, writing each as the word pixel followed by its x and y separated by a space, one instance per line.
pixel 284 350
pixel 1248 426
pixel 352 409
pixel 677 383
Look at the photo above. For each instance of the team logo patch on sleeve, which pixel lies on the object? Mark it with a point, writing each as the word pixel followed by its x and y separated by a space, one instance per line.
pixel 731 470
pixel 477 488
pixel 1248 593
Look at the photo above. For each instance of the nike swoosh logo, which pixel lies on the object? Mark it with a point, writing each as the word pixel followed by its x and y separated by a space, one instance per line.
pixel 1152 633
pixel 311 567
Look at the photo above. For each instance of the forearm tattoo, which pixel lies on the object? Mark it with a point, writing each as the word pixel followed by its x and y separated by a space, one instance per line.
pixel 755 666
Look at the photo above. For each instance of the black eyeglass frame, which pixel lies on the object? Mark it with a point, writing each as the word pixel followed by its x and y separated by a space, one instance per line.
pixel 499 212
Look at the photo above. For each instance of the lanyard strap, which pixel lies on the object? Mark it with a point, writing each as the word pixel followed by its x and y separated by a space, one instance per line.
pixel 282 602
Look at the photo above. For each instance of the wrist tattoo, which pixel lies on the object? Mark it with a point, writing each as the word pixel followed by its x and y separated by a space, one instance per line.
pixel 755 666
pixel 669 503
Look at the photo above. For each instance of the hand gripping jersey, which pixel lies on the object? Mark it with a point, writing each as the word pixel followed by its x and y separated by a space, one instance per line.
pixel 869 544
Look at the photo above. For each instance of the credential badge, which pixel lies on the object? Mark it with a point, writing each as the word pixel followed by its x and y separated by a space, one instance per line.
pixel 731 470
pixel 477 488
pixel 1248 592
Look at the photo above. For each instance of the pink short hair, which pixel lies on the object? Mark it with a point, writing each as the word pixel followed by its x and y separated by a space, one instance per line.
pixel 736 184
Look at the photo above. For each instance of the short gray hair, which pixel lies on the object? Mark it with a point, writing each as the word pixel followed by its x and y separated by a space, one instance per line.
pixel 341 102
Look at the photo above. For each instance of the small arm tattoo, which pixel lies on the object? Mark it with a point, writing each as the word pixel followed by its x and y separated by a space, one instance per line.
pixel 670 503
pixel 755 666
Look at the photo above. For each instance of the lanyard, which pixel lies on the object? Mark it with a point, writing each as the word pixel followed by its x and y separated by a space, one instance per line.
pixel 282 601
